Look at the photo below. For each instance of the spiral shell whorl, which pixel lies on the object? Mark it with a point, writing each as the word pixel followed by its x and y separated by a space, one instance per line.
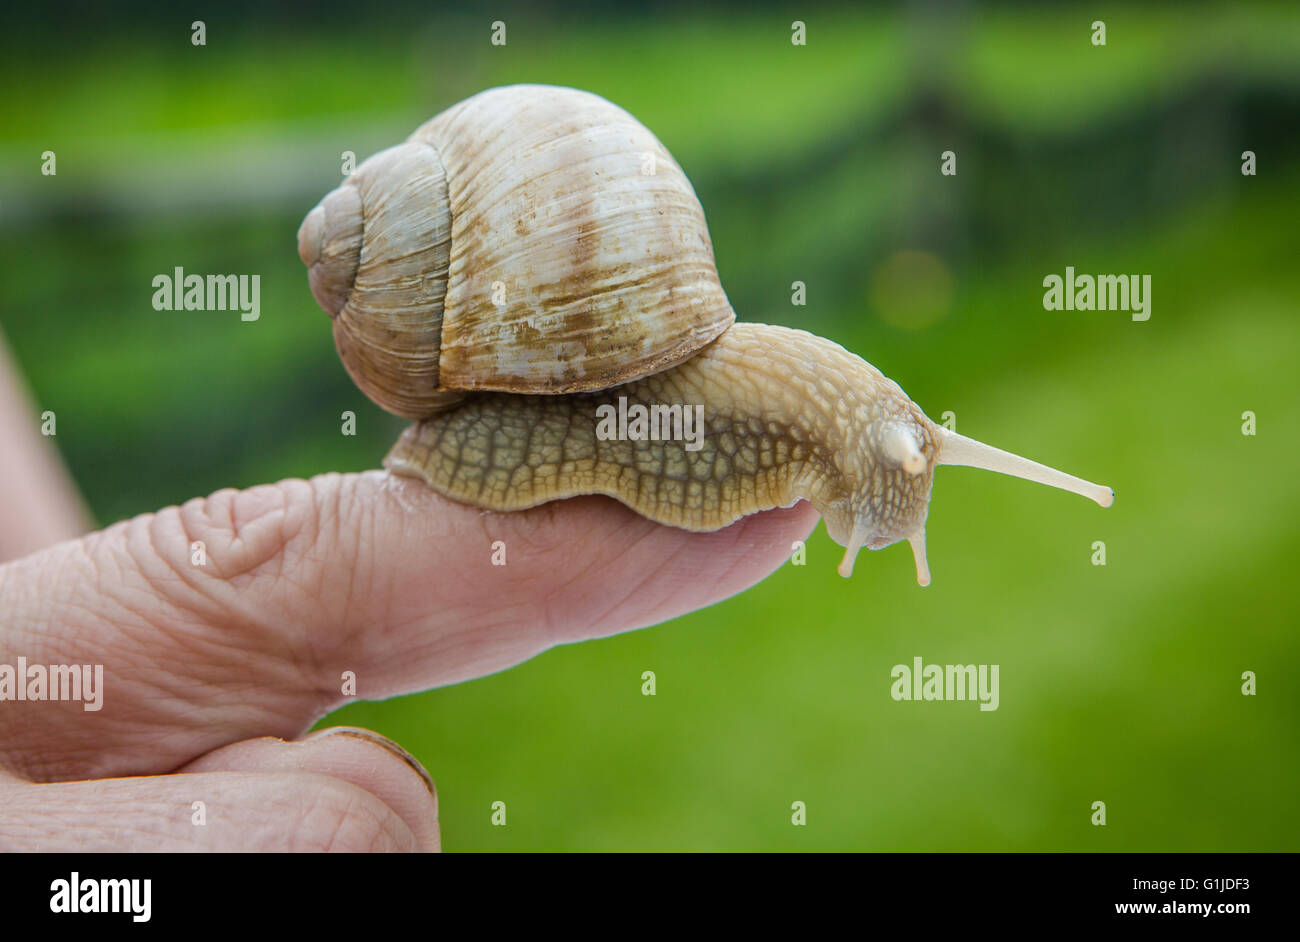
pixel 329 244
pixel 530 239
pixel 389 224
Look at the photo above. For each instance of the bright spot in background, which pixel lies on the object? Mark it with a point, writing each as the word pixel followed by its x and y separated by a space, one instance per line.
pixel 911 289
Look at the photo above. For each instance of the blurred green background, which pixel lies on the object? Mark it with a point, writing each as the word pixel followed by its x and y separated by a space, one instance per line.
pixel 819 164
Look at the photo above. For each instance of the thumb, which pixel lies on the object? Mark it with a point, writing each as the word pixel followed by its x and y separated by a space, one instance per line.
pixel 341 790
pixel 361 757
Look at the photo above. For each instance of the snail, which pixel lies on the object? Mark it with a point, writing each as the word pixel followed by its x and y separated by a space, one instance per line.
pixel 531 257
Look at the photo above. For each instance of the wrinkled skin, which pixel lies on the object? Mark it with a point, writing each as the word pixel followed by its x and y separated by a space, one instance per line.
pixel 211 672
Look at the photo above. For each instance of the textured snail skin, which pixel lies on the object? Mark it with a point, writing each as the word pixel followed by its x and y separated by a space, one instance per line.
pixel 788 416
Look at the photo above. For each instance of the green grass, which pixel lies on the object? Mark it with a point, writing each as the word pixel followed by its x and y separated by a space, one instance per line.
pixel 1119 684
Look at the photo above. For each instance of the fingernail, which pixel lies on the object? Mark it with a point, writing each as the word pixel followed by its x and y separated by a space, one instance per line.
pixel 369 735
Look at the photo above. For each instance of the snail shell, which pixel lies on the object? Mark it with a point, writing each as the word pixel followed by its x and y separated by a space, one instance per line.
pixel 530 239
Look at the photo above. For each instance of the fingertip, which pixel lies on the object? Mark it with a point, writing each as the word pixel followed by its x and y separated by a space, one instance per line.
pixel 360 757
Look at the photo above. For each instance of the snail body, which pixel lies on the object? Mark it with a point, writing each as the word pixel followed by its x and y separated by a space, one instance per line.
pixel 511 271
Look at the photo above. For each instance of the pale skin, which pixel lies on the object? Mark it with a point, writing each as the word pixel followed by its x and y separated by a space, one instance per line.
pixel 39 504
pixel 212 675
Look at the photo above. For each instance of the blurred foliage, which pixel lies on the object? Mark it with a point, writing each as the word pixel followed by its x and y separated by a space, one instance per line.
pixel 819 164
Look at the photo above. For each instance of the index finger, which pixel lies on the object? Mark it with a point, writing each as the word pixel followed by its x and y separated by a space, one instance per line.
pixel 233 616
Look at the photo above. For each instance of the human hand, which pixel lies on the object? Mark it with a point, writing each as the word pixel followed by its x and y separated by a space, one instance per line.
pixel 210 671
